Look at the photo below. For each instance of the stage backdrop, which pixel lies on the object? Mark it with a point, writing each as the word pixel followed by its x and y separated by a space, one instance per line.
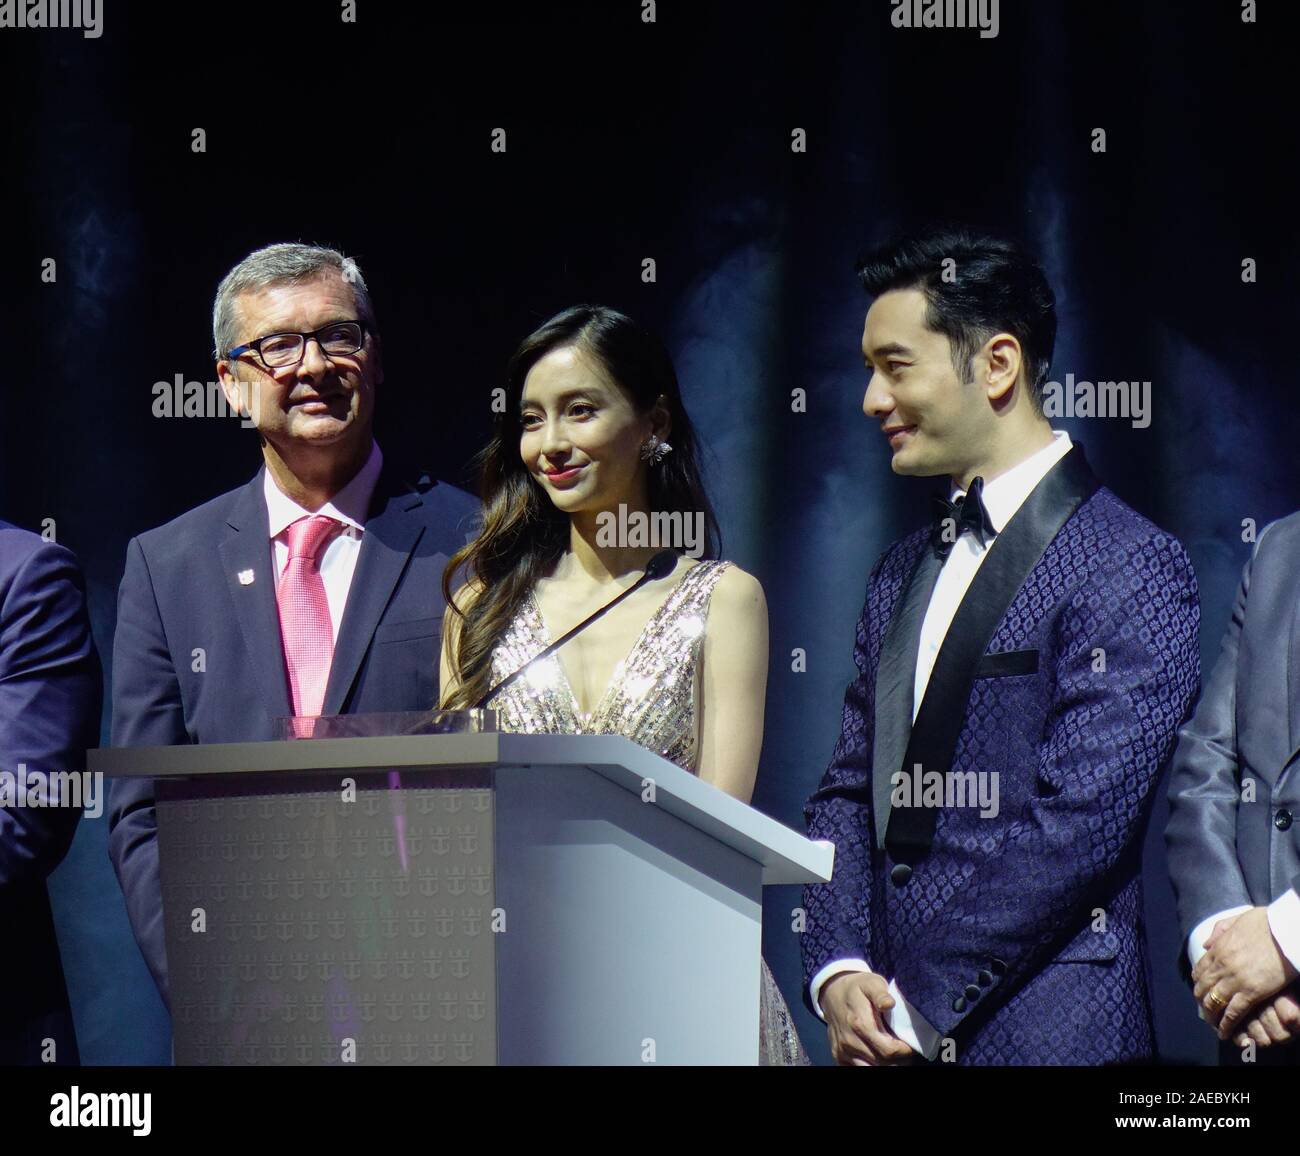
pixel 712 169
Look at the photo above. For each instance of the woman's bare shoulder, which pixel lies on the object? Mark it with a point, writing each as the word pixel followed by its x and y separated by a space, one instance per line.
pixel 739 584
pixel 738 595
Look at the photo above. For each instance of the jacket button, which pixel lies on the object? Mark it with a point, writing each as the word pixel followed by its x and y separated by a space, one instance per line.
pixel 984 978
pixel 1282 820
pixel 900 874
pixel 959 1004
pixel 972 992
pixel 997 967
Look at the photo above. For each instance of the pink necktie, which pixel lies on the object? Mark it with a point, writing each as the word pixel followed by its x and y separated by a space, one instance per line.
pixel 305 614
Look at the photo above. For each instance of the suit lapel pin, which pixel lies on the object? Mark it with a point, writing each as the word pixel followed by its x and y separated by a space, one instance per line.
pixel 245 577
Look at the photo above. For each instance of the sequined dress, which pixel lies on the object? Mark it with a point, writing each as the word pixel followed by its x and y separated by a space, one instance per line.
pixel 652 699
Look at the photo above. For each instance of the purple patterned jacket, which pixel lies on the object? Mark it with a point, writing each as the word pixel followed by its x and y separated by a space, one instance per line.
pixel 1067 670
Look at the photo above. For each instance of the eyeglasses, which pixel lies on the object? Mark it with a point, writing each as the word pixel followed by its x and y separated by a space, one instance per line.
pixel 277 350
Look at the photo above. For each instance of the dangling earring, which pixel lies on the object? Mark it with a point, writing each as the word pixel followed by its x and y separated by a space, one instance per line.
pixel 653 450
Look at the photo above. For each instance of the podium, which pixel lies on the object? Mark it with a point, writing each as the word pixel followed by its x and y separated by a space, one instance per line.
pixel 459 899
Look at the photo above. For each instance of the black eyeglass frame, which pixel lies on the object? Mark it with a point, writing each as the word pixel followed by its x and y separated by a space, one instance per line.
pixel 256 345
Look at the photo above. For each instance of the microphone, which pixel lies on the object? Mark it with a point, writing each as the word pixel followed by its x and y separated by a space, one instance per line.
pixel 660 566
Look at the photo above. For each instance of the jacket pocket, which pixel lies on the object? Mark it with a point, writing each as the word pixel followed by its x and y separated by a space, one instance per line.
pixel 1006 663
pixel 402 631
pixel 1090 947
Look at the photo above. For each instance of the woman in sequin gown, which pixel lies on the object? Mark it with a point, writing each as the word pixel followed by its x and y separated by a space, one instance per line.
pixel 595 435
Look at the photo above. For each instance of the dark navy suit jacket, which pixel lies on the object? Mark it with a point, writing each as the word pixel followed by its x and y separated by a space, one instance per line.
pixel 1067 669
pixel 51 693
pixel 197 656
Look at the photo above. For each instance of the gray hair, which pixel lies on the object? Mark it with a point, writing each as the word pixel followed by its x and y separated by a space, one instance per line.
pixel 280 265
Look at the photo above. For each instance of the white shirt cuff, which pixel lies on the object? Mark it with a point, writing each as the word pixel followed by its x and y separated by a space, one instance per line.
pixel 1201 932
pixel 910 1026
pixel 833 968
pixel 1284 923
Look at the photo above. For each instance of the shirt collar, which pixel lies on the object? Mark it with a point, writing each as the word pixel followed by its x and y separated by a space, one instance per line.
pixel 1006 493
pixel 349 506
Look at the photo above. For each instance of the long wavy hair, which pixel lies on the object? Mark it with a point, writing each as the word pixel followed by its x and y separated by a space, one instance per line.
pixel 524 534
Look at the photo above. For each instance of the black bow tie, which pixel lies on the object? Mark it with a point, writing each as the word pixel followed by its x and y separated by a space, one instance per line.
pixel 951 519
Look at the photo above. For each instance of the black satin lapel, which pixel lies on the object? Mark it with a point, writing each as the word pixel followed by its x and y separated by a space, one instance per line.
pixel 1011 558
pixel 391 533
pixel 247 563
pixel 895 684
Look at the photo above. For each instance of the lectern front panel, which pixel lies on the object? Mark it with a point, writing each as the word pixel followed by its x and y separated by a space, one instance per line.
pixel 330 919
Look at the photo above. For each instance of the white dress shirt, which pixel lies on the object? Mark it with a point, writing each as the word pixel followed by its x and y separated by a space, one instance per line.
pixel 350 506
pixel 1003 496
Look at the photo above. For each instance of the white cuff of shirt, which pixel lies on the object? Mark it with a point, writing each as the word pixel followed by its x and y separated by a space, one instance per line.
pixel 903 1019
pixel 1284 923
pixel 818 981
pixel 1201 932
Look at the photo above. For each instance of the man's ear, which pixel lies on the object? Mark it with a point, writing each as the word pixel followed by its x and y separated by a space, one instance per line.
pixel 378 355
pixel 233 388
pixel 241 395
pixel 1002 355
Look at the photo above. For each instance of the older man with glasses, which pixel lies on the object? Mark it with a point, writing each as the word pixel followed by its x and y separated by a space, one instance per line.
pixel 314 589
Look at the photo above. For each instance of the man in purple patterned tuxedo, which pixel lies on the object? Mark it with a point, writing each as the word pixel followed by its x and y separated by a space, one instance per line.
pixel 1023 667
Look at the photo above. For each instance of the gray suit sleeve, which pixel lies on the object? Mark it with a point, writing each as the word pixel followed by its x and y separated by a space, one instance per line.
pixel 1204 789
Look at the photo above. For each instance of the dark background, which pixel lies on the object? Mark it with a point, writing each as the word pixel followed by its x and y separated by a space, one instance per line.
pixel 626 141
